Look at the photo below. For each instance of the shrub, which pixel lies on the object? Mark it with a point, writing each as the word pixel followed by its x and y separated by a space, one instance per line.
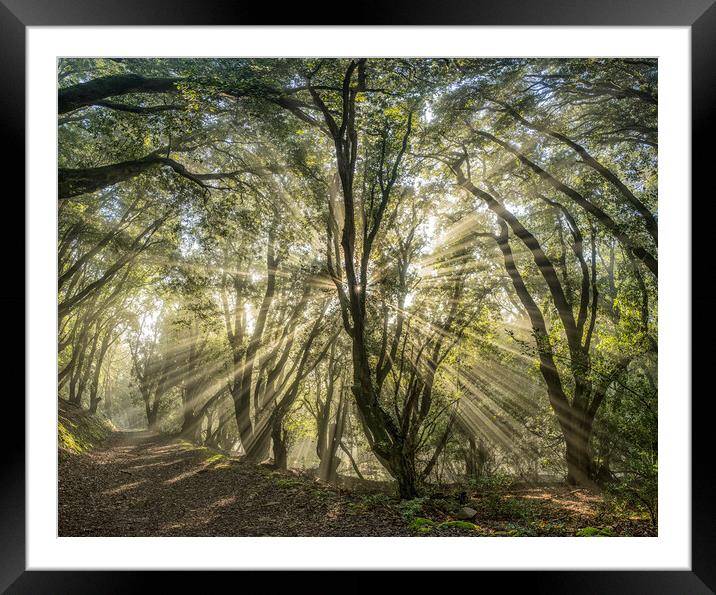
pixel 625 495
pixel 495 484
pixel 411 508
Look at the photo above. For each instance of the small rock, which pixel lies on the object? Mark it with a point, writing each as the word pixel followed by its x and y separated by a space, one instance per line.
pixel 466 513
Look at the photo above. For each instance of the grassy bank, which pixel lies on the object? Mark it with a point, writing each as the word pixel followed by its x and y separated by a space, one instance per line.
pixel 78 430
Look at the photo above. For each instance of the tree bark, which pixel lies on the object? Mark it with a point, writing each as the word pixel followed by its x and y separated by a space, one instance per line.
pixel 578 456
pixel 92 92
pixel 279 440
pixel 94 387
pixel 73 182
pixel 403 470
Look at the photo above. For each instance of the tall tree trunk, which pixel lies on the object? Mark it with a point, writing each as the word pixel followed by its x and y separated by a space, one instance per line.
pixel 328 468
pixel 402 468
pixel 330 434
pixel 242 410
pixel 191 427
pixel 152 419
pixel 94 386
pixel 577 435
pixel 279 440
pixel 578 459
pixel 260 445
pixel 241 389
pixel 210 439
pixel 576 417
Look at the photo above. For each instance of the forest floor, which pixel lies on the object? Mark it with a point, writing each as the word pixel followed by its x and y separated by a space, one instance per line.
pixel 143 484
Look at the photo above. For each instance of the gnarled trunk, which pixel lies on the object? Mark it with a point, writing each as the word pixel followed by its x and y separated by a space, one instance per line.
pixel 402 468
pixel 328 467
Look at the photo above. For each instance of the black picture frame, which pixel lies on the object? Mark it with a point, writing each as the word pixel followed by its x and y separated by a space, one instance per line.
pixel 699 15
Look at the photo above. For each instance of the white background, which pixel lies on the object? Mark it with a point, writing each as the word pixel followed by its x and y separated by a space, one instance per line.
pixel 670 550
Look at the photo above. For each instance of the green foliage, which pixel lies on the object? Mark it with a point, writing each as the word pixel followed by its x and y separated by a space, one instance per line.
pixel 376 499
pixel 624 496
pixel 491 485
pixel 515 508
pixel 411 508
pixel 493 499
pixel 517 530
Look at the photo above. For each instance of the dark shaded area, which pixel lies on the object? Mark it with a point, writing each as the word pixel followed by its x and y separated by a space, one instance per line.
pixel 704 300
pixel 590 583
pixel 404 12
pixel 12 476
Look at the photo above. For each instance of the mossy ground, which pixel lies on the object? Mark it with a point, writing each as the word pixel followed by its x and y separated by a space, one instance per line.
pixel 78 431
pixel 595 532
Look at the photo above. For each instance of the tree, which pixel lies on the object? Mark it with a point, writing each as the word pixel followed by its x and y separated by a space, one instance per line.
pixel 449 265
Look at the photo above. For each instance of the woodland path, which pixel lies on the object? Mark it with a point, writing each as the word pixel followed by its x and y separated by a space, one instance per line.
pixel 144 484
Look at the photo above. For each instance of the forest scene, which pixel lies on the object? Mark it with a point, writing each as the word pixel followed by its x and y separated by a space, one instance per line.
pixel 357 297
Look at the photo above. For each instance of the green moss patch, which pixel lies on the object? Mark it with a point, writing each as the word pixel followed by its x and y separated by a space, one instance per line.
pixel 78 431
pixel 421 525
pixel 215 458
pixel 595 532
pixel 218 461
pixel 459 525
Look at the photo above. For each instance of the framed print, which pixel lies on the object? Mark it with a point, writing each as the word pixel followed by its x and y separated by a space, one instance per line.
pixel 378 296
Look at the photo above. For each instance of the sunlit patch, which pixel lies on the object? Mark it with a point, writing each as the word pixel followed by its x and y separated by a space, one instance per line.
pixel 124 487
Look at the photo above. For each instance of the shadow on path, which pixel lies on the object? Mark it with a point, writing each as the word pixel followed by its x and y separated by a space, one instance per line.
pixel 143 484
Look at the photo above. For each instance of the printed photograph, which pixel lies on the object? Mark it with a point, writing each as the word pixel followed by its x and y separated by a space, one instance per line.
pixel 357 297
